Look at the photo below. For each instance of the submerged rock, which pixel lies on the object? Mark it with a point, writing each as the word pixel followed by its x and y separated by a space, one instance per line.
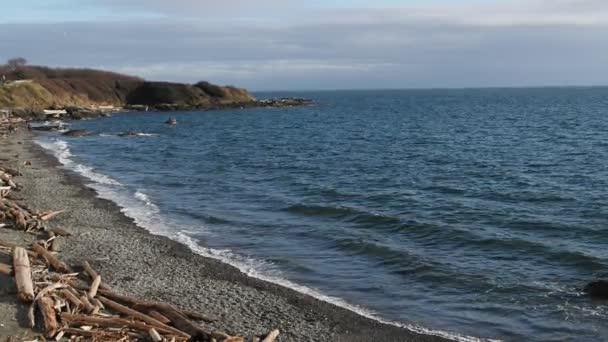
pixel 597 289
pixel 136 134
pixel 76 133
pixel 47 128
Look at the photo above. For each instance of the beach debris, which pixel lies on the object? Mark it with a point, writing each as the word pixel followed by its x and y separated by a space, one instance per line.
pixel 15 214
pixel 271 336
pixel 80 305
pixel 23 275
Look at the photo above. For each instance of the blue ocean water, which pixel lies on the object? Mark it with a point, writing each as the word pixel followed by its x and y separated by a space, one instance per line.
pixel 475 212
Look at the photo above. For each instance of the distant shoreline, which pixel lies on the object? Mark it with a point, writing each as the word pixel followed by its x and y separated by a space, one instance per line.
pixel 36 93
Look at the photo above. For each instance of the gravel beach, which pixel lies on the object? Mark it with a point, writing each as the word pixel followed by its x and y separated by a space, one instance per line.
pixel 134 262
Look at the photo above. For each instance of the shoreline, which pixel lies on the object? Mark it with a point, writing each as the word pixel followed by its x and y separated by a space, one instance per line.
pixel 133 261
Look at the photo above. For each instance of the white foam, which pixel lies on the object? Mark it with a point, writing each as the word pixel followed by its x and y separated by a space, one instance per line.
pixel 61 150
pixel 144 198
pixel 147 215
pixel 252 268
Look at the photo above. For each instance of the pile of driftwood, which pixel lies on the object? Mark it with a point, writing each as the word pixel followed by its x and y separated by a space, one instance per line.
pixel 78 306
pixel 80 310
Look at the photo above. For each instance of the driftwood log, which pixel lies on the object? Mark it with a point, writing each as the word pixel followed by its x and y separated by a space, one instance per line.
pixel 49 215
pixel 157 315
pixel 6 269
pixel 112 322
pixel 154 335
pixel 271 336
pixel 59 232
pixel 13 246
pixel 70 297
pixel 136 314
pixel 23 275
pixel 94 287
pixel 146 306
pixel 52 260
pixel 93 274
pixel 45 304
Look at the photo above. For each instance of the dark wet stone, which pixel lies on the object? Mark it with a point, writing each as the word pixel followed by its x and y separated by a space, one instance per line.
pixel 597 289
pixel 76 133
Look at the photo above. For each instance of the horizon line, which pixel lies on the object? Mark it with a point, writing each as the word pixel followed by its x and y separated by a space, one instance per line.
pixel 428 88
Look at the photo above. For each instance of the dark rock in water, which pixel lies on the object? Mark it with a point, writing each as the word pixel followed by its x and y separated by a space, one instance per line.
pixel 171 121
pixel 48 128
pixel 128 134
pixel 135 134
pixel 597 289
pixel 76 133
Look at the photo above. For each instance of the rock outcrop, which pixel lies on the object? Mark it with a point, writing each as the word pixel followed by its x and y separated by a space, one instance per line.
pixel 597 289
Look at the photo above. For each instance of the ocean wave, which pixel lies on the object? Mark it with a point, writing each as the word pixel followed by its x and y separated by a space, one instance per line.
pixel 348 213
pixel 144 198
pixel 138 206
pixel 318 210
pixel 61 150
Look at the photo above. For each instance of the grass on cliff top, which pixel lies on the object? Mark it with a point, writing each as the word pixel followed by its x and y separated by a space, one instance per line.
pixel 24 95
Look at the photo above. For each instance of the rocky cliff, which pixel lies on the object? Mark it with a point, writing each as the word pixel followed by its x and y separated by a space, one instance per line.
pixel 38 88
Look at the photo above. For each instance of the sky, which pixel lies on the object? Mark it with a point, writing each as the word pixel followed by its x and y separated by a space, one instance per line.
pixel 319 44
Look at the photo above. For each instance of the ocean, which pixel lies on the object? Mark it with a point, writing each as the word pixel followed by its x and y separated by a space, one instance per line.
pixel 473 213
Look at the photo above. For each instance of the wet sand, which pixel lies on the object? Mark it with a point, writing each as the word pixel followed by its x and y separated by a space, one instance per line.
pixel 134 262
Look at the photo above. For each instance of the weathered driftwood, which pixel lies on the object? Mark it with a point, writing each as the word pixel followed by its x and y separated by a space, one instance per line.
pixel 157 315
pixel 234 339
pixel 154 335
pixel 6 269
pixel 93 274
pixel 6 178
pixel 52 260
pixel 10 171
pixel 45 304
pixel 271 336
pixel 86 304
pixel 49 215
pixel 101 335
pixel 59 232
pixel 79 320
pixel 145 306
pixel 70 297
pixel 94 287
pixel 136 314
pixel 19 218
pixel 13 246
pixel 184 324
pixel 53 242
pixel 23 275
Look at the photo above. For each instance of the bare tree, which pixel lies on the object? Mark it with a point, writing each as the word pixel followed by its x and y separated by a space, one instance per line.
pixel 15 63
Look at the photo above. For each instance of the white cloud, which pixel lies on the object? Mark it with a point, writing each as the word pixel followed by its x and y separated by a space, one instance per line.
pixel 531 42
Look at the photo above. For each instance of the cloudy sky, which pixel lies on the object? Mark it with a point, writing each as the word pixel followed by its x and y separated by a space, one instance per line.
pixel 319 44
